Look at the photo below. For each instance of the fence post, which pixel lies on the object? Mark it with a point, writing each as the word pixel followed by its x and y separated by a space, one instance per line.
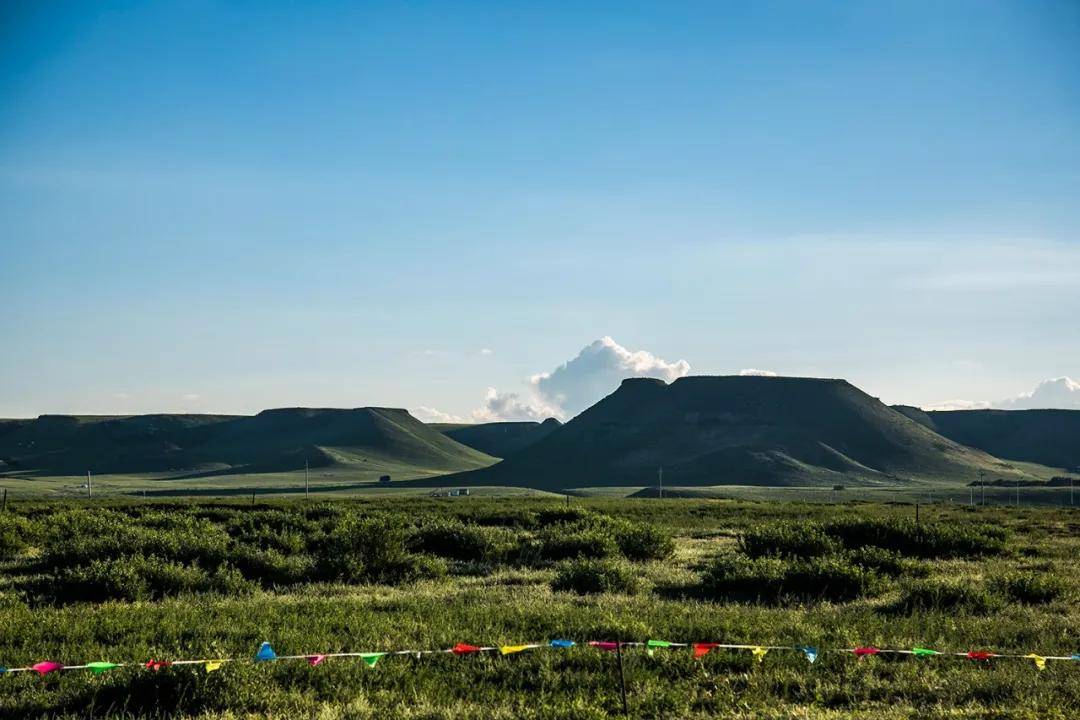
pixel 622 677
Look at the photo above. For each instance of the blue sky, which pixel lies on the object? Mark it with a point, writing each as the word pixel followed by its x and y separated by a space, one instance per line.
pixel 226 206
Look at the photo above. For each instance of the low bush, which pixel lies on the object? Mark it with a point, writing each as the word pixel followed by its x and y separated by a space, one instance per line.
pixel 143 578
pixel 458 541
pixel 947 595
pixel 928 540
pixel 1030 588
pixel 771 579
pixel 373 549
pixel 590 576
pixel 565 542
pixel 271 567
pixel 799 540
pixel 642 541
pixel 16 534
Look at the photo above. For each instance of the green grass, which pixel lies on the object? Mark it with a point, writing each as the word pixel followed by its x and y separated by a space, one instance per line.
pixel 200 579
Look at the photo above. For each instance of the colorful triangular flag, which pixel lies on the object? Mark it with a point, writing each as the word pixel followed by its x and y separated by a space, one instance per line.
pixel 562 643
pixel 759 652
pixel 511 649
pixel 99 667
pixel 861 652
pixel 371 658
pixel 810 652
pixel 212 665
pixel 1039 660
pixel 702 649
pixel 314 660
pixel 46 666
pixel 156 665
pixel 923 652
pixel 605 645
pixel 464 649
pixel 266 653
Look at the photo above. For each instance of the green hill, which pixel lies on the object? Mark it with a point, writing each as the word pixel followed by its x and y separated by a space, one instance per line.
pixel 738 430
pixel 499 439
pixel 374 439
pixel 1047 437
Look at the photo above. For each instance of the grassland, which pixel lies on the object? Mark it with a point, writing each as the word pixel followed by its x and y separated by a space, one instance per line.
pixel 126 580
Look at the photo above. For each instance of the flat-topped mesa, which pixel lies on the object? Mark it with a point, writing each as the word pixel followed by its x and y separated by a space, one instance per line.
pixel 738 429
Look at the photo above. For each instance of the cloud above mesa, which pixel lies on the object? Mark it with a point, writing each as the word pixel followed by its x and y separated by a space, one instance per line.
pixel 1057 393
pixel 571 387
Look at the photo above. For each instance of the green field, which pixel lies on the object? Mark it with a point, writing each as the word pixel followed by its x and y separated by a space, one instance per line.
pixel 125 581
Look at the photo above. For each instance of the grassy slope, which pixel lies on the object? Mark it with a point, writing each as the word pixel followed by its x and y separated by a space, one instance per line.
pixel 499 439
pixel 1048 437
pixel 515 604
pixel 369 440
pixel 740 430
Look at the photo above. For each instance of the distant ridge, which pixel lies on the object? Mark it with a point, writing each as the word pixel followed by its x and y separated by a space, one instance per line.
pixel 371 438
pixel 1047 437
pixel 499 439
pixel 738 430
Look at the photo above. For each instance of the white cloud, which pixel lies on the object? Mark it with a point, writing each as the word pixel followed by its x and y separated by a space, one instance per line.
pixel 757 373
pixel 487 351
pixel 1061 393
pixel 597 371
pixel 512 406
pixel 431 415
pixel 594 372
pixel 959 405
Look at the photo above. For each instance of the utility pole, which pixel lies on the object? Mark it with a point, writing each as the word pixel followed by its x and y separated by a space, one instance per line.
pixel 89 486
pixel 1018 492
pixel 1070 491
pixel 660 477
pixel 307 480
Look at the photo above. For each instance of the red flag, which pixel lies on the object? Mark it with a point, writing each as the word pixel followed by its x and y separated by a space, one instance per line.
pixel 463 649
pixel 861 652
pixel 314 660
pixel 980 655
pixel 607 645
pixel 702 649
pixel 156 665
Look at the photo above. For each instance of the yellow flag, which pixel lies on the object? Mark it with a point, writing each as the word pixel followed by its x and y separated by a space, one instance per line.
pixel 759 653
pixel 1039 660
pixel 212 665
pixel 509 649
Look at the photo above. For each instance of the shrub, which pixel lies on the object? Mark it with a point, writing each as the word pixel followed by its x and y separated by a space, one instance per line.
pixel 1031 588
pixel 15 534
pixel 947 595
pixel 886 562
pixel 373 549
pixel 453 539
pixel 771 579
pixel 924 541
pixel 142 578
pixel 564 542
pixel 270 567
pixel 586 577
pixel 800 540
pixel 642 541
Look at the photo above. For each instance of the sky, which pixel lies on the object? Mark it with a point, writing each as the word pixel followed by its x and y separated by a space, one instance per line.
pixel 228 206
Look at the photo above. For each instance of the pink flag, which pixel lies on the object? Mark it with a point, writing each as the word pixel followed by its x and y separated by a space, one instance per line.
pixel 861 652
pixel 46 667
pixel 314 660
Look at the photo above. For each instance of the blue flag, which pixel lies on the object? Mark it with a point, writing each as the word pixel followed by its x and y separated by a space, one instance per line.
pixel 266 653
pixel 810 652
pixel 562 643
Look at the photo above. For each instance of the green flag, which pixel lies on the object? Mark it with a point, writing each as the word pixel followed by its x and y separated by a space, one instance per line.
pixel 99 667
pixel 923 652
pixel 371 658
